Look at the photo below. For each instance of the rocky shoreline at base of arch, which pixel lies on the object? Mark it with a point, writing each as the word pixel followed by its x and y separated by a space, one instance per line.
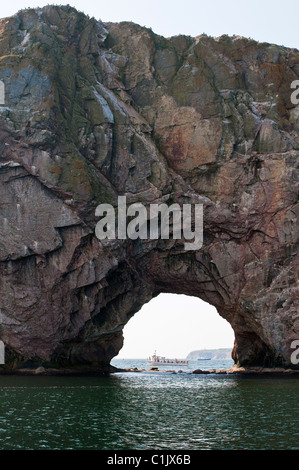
pixel 106 371
pixel 232 371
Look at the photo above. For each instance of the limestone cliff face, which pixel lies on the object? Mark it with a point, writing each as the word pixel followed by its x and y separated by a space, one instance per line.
pixel 93 111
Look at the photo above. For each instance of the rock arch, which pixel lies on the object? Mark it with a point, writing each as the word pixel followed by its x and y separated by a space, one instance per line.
pixel 116 110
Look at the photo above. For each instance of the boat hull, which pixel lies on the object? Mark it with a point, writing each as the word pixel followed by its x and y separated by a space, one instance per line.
pixel 166 364
pixel 155 360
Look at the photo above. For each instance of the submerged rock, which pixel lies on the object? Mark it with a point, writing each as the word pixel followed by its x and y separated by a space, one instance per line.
pixel 93 111
pixel 200 371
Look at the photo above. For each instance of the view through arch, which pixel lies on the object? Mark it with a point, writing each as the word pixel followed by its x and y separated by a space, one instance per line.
pixel 174 326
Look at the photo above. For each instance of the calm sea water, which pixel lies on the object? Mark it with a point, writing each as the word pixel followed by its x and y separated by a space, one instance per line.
pixel 149 410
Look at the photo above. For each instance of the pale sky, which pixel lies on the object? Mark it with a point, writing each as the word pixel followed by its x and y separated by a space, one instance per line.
pixel 175 325
pixel 172 324
pixel 273 21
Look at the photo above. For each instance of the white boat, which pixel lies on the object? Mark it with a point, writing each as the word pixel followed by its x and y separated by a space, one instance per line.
pixel 155 360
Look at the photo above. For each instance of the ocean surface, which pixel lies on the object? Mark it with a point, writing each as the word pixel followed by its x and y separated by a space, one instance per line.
pixel 150 410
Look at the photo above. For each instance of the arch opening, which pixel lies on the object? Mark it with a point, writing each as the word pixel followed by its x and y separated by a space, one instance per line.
pixel 177 326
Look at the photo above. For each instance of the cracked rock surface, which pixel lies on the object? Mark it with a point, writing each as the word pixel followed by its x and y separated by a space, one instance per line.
pixel 94 111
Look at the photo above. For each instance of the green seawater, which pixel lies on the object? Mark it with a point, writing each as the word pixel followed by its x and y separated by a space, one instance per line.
pixel 149 410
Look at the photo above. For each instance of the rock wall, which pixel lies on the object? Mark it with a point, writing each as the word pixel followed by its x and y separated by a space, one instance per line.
pixel 93 111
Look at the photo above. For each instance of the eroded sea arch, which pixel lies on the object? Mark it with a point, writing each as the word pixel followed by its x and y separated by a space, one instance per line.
pixel 94 111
